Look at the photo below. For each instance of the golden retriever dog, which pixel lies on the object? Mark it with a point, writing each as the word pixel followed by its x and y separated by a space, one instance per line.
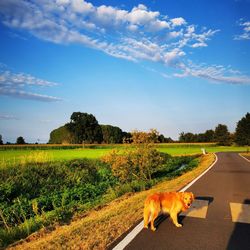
pixel 169 202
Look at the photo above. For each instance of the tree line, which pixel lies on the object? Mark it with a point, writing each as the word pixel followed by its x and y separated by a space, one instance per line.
pixel 221 135
pixel 84 128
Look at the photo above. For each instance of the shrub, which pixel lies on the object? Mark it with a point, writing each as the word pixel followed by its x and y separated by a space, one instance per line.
pixel 139 161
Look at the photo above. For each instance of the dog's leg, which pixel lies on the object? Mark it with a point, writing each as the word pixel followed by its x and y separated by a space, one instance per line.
pixel 146 217
pixel 154 216
pixel 174 217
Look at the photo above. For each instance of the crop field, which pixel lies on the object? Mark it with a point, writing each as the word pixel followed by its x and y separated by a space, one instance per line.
pixel 11 155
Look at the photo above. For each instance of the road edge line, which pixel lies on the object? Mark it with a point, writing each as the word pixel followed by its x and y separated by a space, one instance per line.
pixel 130 236
pixel 243 157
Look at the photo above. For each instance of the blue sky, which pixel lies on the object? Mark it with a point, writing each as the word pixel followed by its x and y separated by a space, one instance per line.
pixel 173 65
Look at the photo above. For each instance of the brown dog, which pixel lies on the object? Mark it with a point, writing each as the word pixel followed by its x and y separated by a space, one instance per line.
pixel 172 203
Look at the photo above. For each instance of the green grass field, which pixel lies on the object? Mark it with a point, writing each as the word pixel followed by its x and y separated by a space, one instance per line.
pixel 12 156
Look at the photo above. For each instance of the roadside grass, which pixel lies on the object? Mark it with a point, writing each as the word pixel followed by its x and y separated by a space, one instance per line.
pixel 98 228
pixel 246 155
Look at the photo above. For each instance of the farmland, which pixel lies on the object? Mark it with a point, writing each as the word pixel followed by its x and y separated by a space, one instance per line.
pixel 41 153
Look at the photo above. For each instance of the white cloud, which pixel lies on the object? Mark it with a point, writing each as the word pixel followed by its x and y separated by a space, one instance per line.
pixel 245 35
pixel 20 79
pixel 178 21
pixel 175 34
pixel 171 57
pixel 8 117
pixel 134 35
pixel 15 85
pixel 141 16
pixel 27 95
pixel 197 45
pixel 215 73
pixel 81 6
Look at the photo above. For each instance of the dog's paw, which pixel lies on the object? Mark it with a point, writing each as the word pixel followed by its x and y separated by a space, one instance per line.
pixel 153 229
pixel 178 225
pixel 146 226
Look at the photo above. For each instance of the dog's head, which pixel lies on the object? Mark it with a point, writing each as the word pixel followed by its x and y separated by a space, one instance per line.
pixel 188 198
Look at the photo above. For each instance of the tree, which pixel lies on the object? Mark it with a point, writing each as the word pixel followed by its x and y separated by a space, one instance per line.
pixel 187 137
pixel 111 134
pixel 242 133
pixel 161 138
pixel 20 140
pixel 209 136
pixel 222 136
pixel 61 135
pixel 85 128
pixel 1 140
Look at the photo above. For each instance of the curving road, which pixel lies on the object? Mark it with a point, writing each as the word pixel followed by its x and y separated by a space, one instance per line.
pixel 220 217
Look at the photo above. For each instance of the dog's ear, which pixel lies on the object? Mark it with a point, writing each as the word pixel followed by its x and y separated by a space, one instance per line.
pixel 182 195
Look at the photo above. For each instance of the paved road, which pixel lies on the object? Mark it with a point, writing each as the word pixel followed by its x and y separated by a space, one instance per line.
pixel 226 191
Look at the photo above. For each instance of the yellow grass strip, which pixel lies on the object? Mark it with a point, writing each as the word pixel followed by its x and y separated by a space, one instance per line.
pixel 245 154
pixel 101 227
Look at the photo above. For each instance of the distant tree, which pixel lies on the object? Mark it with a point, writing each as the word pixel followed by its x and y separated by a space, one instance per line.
pixel 242 133
pixel 163 139
pixel 140 137
pixel 20 140
pixel 169 140
pixel 221 135
pixel 111 134
pixel 85 128
pixel 61 135
pixel 1 140
pixel 187 137
pixel 209 136
pixel 126 137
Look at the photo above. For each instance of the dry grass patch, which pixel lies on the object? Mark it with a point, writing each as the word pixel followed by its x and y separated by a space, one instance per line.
pixel 99 228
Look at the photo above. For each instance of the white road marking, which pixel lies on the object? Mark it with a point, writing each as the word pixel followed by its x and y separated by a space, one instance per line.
pixel 240 212
pixel 122 244
pixel 198 209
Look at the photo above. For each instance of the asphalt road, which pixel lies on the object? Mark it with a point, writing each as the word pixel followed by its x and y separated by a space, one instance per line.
pixel 226 185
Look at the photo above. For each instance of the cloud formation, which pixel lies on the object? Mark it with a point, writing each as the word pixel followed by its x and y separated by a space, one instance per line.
pixel 115 31
pixel 215 73
pixel 15 85
pixel 136 35
pixel 8 117
pixel 245 35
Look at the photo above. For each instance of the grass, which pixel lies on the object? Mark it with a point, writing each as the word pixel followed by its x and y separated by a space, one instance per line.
pixel 12 157
pixel 8 156
pixel 194 149
pixel 98 228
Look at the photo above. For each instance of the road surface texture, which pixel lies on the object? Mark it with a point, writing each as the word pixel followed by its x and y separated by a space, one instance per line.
pixel 219 217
